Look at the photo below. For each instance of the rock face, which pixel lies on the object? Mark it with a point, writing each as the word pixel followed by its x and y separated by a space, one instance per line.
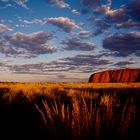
pixel 116 76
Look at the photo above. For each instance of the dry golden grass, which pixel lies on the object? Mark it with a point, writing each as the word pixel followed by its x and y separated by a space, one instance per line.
pixel 79 110
pixel 86 118
pixel 28 86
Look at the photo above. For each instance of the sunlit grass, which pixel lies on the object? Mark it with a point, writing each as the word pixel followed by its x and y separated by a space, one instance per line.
pixel 87 118
pixel 77 111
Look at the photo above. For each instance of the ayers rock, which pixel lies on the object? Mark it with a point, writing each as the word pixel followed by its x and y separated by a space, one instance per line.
pixel 116 76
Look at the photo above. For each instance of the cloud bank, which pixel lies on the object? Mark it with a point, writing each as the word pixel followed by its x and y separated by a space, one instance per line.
pixel 124 44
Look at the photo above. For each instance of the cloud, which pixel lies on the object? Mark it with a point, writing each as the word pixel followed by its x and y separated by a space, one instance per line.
pixel 8 51
pixel 4 28
pixel 2 66
pixel 74 11
pixel 61 76
pixel 86 63
pixel 35 43
pixel 103 9
pixel 83 63
pixel 63 23
pixel 78 45
pixel 101 23
pixel 29 45
pixel 130 11
pixel 4 63
pixel 124 64
pixel 123 44
pixel 133 9
pixel 38 68
pixel 124 16
pixel 26 68
pixel 34 21
pixel 85 34
pixel 58 3
pixel 87 59
pixel 91 3
pixel 21 3
pixel 117 15
pixel 111 15
pixel 128 25
pixel 109 3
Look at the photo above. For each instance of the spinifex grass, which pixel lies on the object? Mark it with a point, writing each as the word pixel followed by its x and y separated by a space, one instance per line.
pixel 88 116
pixel 41 111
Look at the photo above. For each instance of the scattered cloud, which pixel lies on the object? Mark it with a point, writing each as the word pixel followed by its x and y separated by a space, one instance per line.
pixel 64 23
pixel 87 60
pixel 58 3
pixel 77 64
pixel 29 45
pixel 78 45
pixel 85 34
pixel 34 21
pixel 103 9
pixel 128 25
pixel 117 15
pixel 61 76
pixel 118 26
pixel 91 3
pixel 74 11
pixel 124 13
pixel 4 28
pixel 2 66
pixel 133 10
pixel 21 25
pixel 123 44
pixel 35 43
pixel 124 64
pixel 22 3
pixel 114 15
pixel 102 25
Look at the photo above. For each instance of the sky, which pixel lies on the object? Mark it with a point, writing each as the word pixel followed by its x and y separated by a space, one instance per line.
pixel 67 40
